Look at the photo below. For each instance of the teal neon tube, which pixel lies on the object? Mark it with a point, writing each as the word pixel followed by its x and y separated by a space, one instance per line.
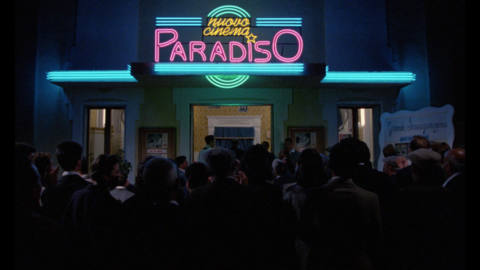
pixel 178 18
pixel 368 77
pixel 236 9
pixel 277 25
pixel 229 83
pixel 279 22
pixel 91 76
pixel 180 21
pixel 279 19
pixel 229 69
pixel 233 12
pixel 178 24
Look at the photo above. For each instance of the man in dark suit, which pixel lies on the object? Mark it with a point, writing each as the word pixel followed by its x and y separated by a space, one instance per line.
pixel 210 143
pixel 454 166
pixel 237 151
pixel 403 177
pixel 274 219
pixel 93 220
pixel 155 219
pixel 456 188
pixel 56 198
pixel 218 224
pixel 182 165
pixel 271 156
pixel 37 238
pixel 421 222
pixel 292 155
pixel 341 221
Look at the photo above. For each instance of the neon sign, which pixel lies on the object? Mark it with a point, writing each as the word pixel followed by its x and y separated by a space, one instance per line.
pixel 218 52
pixel 228 21
pixel 227 27
pixel 227 66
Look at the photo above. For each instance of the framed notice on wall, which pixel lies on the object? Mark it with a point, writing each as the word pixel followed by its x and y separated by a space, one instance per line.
pixel 398 128
pixel 158 142
pixel 308 137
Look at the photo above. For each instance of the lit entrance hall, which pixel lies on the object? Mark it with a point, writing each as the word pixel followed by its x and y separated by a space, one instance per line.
pixel 247 125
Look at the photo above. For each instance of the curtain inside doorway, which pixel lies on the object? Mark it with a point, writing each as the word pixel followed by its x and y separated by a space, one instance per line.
pixel 225 135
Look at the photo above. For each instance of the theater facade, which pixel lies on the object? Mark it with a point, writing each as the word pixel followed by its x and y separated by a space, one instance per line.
pixel 247 71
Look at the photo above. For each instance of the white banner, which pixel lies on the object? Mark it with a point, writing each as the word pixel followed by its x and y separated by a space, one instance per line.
pixel 399 128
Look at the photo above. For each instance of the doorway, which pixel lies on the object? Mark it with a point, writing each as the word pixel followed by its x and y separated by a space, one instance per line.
pixel 105 132
pixel 359 122
pixel 247 124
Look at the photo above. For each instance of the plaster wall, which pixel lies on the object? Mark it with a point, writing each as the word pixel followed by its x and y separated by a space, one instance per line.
pixel 51 117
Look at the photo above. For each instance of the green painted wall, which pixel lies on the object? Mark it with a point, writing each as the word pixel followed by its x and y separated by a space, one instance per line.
pixel 158 109
pixel 305 111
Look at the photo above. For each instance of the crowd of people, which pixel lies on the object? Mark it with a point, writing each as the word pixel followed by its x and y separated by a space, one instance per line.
pixel 246 209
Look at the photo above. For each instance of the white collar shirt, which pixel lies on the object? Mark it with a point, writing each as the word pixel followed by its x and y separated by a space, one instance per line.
pixel 449 179
pixel 65 173
pixel 174 202
pixel 335 179
pixel 85 177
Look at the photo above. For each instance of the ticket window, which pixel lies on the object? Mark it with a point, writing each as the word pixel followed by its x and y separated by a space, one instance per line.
pixel 106 132
pixel 357 122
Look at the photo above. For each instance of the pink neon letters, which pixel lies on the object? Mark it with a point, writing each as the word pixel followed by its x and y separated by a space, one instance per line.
pixel 159 44
pixel 260 50
pixel 218 50
pixel 247 53
pixel 231 56
pixel 178 50
pixel 250 54
pixel 300 45
pixel 200 50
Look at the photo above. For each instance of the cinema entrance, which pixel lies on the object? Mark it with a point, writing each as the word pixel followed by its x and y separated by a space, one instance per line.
pixel 245 125
pixel 253 115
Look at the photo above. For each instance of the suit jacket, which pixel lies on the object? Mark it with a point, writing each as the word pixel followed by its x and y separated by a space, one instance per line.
pixel 93 222
pixel 457 184
pixel 284 179
pixel 292 159
pixel 39 243
pixel 233 226
pixel 422 228
pixel 274 227
pixel 155 239
pixel 403 178
pixel 456 193
pixel 383 186
pixel 56 198
pixel 341 224
pixel 181 178
pixel 218 226
pixel 295 195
